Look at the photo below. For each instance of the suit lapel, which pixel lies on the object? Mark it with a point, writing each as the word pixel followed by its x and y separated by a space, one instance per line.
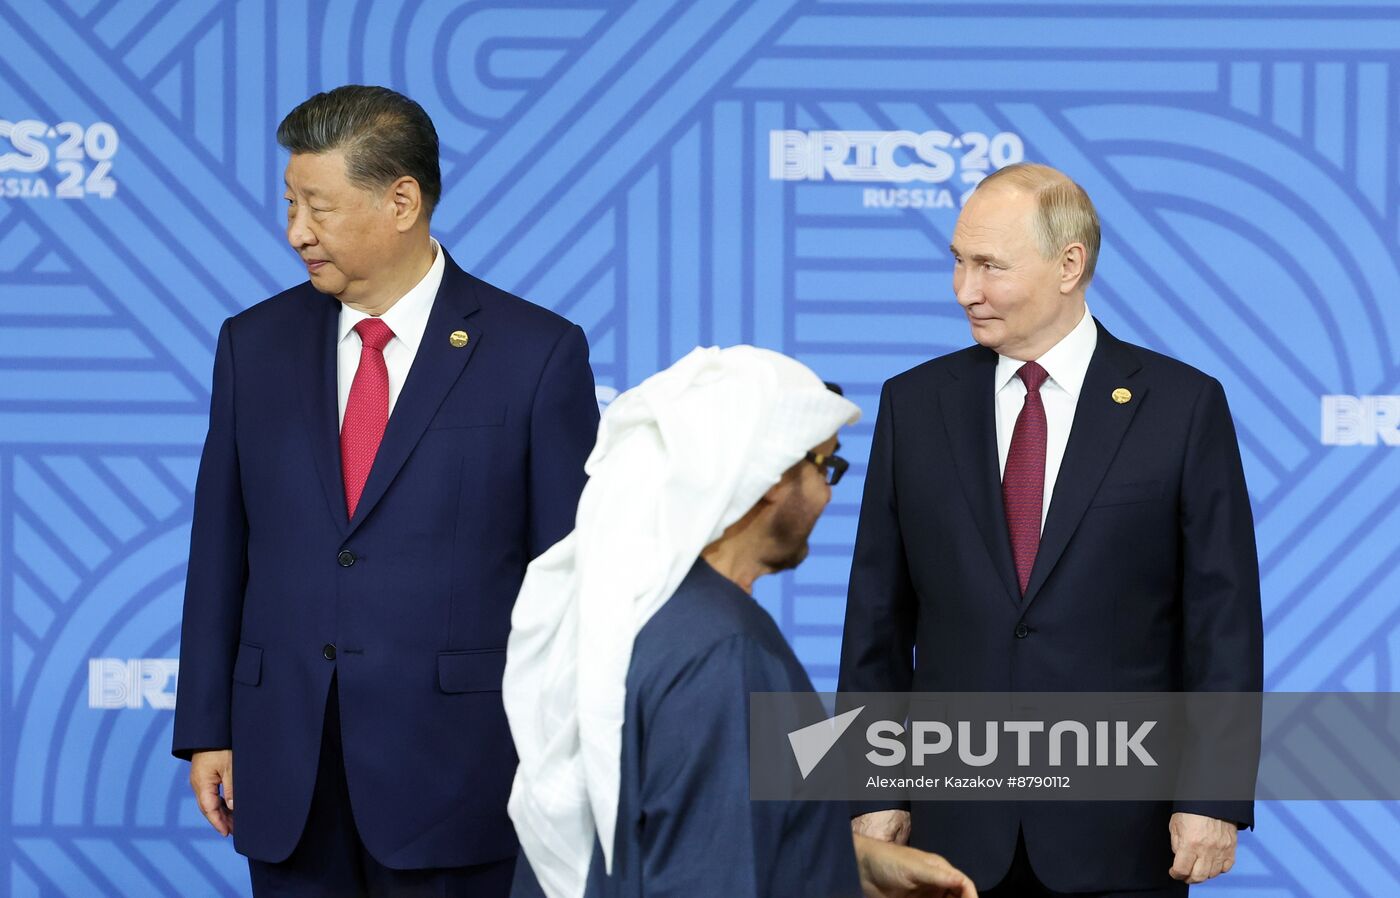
pixel 1099 425
pixel 320 405
pixel 969 416
pixel 436 367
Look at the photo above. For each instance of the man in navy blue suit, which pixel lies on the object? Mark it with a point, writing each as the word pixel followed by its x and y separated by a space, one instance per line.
pixel 389 446
pixel 1053 510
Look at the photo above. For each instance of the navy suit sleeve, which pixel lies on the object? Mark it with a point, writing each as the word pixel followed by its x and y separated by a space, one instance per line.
pixel 877 645
pixel 1223 622
pixel 699 832
pixel 218 569
pixel 563 428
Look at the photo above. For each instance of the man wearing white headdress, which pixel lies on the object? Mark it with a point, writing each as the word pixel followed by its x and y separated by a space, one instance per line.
pixel 635 643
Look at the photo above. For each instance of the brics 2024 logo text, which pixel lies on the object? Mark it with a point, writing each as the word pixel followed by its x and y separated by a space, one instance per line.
pixel 66 160
pixel 1360 420
pixel 895 157
pixel 132 683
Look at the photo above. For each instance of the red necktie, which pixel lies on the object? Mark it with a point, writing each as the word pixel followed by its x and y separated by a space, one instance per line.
pixel 366 412
pixel 1023 482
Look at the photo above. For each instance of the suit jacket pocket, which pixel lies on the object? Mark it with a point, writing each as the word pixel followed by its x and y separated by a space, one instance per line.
pixel 475 671
pixel 247 668
pixel 449 418
pixel 1127 493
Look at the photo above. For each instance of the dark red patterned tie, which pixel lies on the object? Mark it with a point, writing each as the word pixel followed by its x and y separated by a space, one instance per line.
pixel 1023 482
pixel 366 411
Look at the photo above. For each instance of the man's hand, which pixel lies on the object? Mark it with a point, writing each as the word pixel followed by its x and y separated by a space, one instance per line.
pixel 884 826
pixel 208 771
pixel 1204 846
pixel 896 871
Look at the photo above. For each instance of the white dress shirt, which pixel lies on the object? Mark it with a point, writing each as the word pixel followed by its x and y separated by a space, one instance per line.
pixel 407 318
pixel 1066 362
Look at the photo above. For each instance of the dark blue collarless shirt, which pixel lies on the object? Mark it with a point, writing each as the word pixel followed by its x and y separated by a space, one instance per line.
pixel 685 824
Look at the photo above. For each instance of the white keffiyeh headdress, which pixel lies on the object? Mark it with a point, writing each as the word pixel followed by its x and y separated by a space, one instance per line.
pixel 679 458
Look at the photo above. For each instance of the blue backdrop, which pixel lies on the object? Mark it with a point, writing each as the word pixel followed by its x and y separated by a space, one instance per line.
pixel 667 173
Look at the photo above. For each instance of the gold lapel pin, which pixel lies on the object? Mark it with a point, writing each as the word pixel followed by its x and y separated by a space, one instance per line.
pixel 460 338
pixel 1122 395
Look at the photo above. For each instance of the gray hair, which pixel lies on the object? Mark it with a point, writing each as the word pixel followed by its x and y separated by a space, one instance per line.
pixel 383 134
pixel 1064 212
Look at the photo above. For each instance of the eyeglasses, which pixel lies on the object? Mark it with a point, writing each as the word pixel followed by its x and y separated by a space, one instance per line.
pixel 833 466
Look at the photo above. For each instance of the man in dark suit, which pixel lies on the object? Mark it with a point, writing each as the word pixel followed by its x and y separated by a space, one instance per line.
pixel 389 445
pixel 1053 510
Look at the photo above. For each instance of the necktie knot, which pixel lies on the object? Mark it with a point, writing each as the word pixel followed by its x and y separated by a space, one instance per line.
pixel 1033 376
pixel 375 334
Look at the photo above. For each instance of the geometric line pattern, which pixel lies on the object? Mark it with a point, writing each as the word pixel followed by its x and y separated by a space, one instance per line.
pixel 611 161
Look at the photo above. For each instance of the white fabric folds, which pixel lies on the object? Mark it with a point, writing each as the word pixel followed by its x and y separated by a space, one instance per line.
pixel 679 458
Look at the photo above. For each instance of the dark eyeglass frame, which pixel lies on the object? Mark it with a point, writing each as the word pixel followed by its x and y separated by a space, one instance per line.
pixel 833 466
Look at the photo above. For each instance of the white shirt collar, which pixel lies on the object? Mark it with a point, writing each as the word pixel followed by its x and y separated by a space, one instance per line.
pixel 407 318
pixel 1067 362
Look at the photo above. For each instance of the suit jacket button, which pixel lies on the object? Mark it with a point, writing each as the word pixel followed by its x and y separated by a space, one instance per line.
pixel 1022 631
pixel 345 558
pixel 328 651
